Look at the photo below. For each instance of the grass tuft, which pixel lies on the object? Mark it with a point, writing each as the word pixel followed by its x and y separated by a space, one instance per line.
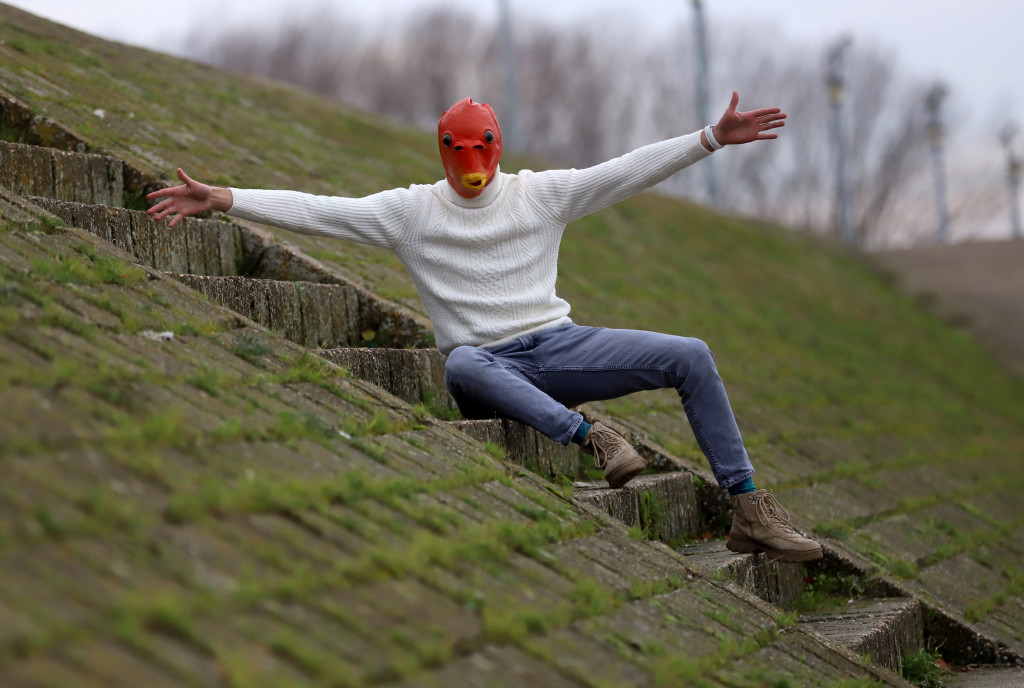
pixel 208 379
pixel 827 591
pixel 922 669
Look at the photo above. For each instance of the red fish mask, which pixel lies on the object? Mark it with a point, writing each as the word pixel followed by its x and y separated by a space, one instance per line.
pixel 470 143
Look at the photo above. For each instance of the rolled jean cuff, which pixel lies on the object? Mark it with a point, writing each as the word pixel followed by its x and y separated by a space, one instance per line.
pixel 725 485
pixel 577 421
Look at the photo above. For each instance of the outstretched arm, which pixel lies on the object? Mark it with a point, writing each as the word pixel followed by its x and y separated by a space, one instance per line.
pixel 571 194
pixel 190 199
pixel 743 127
pixel 381 219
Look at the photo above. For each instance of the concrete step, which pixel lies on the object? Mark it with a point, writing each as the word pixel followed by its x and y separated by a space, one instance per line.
pixel 68 176
pixel 663 504
pixel 773 581
pixel 525 446
pixel 713 501
pixel 222 251
pixel 198 247
pixel 188 248
pixel 993 676
pixel 26 124
pixel 311 314
pixel 883 629
pixel 414 375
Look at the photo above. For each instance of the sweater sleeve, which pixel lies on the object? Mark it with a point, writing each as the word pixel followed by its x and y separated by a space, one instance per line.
pixel 572 194
pixel 378 220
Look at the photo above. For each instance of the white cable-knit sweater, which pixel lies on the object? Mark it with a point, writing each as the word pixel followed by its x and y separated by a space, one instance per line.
pixel 485 267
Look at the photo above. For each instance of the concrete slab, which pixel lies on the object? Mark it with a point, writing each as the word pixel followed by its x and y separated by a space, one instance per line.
pixel 26 170
pixel 665 504
pixel 68 176
pixel 296 310
pixel 961 581
pixel 885 629
pixel 713 501
pixel 986 677
pixel 493 667
pixel 524 446
pixel 410 374
pixel 799 658
pixel 111 663
pixel 621 503
pixel 773 581
pixel 205 247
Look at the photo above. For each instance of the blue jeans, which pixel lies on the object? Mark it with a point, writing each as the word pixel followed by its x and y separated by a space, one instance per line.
pixel 537 378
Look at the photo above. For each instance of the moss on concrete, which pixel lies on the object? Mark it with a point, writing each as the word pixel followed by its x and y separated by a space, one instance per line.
pixel 200 483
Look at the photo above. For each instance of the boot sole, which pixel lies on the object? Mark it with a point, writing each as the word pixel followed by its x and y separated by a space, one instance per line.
pixel 623 474
pixel 749 547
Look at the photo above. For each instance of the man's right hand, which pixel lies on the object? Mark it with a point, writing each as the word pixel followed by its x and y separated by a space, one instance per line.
pixel 191 199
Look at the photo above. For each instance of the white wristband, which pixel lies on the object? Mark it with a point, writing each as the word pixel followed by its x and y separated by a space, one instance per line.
pixel 711 138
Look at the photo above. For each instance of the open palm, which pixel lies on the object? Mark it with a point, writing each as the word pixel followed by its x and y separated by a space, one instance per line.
pixel 182 201
pixel 743 127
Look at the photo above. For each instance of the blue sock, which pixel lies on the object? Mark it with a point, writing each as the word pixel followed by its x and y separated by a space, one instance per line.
pixel 581 432
pixel 743 487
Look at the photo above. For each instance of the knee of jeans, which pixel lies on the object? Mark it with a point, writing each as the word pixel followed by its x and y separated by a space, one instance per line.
pixel 698 354
pixel 460 364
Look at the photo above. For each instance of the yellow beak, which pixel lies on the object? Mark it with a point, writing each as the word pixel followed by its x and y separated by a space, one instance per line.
pixel 474 181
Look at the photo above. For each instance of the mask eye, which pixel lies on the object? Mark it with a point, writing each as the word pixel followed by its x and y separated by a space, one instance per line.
pixel 489 136
pixel 447 140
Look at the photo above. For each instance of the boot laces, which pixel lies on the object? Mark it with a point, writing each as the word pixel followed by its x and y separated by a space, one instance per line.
pixel 602 443
pixel 769 510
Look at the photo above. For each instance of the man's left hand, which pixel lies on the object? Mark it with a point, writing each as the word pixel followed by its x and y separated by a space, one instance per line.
pixel 744 127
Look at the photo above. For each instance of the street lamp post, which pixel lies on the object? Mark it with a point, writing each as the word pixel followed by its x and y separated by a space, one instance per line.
pixel 1007 135
pixel 936 136
pixel 710 186
pixel 837 95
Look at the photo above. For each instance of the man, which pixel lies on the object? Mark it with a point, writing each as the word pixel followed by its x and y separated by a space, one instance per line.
pixel 482 246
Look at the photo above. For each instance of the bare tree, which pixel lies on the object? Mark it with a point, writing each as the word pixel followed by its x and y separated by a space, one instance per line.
pixel 591 93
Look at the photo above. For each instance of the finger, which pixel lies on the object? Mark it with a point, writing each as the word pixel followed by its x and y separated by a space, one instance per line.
pixel 772 125
pixel 184 177
pixel 764 137
pixel 734 102
pixel 163 193
pixel 174 220
pixel 775 114
pixel 159 206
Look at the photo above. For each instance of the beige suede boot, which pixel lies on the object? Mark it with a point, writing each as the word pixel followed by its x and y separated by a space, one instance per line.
pixel 760 524
pixel 614 454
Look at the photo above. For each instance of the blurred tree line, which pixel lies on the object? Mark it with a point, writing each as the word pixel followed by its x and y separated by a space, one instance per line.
pixel 593 91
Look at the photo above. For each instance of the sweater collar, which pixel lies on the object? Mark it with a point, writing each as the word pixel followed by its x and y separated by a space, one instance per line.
pixel 485 198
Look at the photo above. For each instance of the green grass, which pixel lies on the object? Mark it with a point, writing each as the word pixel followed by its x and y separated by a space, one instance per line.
pixel 208 379
pixel 920 668
pixel 495 450
pixel 979 609
pixel 827 366
pixel 828 591
pixel 86 270
pixel 653 511
pixel 250 348
pixel 436 407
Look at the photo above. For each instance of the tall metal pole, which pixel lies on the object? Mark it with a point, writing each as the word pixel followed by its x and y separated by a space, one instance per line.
pixel 703 95
pixel 936 136
pixel 837 96
pixel 510 117
pixel 1007 135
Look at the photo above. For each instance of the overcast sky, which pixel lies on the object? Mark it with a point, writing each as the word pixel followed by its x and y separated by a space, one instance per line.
pixel 975 46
